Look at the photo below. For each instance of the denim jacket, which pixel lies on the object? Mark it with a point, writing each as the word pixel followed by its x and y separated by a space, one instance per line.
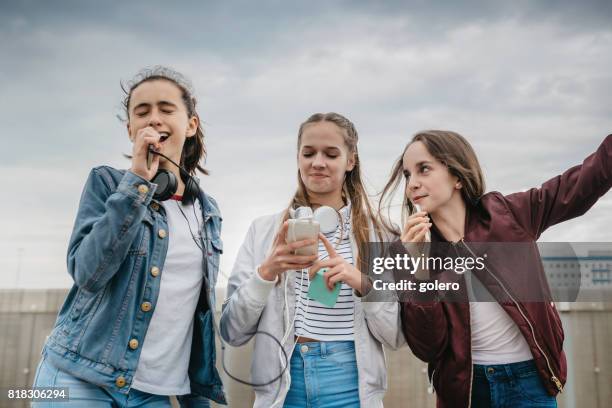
pixel 116 256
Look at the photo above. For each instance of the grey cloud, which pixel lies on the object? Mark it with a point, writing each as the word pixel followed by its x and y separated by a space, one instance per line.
pixel 527 83
pixel 248 28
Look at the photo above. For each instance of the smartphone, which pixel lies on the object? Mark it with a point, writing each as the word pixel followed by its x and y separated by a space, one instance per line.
pixel 301 229
pixel 318 290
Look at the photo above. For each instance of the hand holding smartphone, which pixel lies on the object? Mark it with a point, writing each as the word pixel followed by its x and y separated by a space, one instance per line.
pixel 283 255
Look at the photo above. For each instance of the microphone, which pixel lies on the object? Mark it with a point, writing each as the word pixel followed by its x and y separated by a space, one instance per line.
pixel 150 154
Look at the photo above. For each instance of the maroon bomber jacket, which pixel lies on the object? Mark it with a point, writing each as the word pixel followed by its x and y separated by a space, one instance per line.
pixel 438 331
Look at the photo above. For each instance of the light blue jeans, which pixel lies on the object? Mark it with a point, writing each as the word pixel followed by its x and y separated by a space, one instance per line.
pixel 323 375
pixel 84 394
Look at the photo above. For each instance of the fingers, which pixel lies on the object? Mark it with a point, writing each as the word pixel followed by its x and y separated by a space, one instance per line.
pixel 333 276
pixel 145 137
pixel 420 232
pixel 415 227
pixel 328 246
pixel 416 218
pixel 140 153
pixel 410 231
pixel 299 259
pixel 298 244
pixel 418 214
pixel 283 257
pixel 312 271
pixel 147 131
pixel 281 236
pixel 295 266
pixel 316 267
pixel 328 263
pixel 150 141
pixel 420 236
pixel 290 261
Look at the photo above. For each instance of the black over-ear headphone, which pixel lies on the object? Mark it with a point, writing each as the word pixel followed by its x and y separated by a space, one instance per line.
pixel 167 184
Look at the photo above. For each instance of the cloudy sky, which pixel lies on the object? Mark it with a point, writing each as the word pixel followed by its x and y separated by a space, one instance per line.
pixel 528 83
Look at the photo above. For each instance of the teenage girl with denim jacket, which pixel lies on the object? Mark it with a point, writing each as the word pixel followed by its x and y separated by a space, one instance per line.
pixel 136 327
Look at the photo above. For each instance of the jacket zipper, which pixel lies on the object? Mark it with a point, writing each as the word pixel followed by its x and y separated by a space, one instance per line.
pixel 471 364
pixel 553 377
pixel 431 389
pixel 431 381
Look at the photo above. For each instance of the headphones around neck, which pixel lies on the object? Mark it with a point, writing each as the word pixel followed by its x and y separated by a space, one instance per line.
pixel 167 184
pixel 328 217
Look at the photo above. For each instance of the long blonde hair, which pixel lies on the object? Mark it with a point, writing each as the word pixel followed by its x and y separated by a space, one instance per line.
pixel 363 216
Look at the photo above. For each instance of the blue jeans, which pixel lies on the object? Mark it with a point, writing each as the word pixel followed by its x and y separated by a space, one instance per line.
pixel 84 394
pixel 515 385
pixel 323 375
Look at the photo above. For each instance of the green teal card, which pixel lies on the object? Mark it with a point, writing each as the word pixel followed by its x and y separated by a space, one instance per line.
pixel 319 291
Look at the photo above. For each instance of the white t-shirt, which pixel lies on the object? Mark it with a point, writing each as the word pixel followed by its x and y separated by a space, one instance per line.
pixel 496 339
pixel 164 359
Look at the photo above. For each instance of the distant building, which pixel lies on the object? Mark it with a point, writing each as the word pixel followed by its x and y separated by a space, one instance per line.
pixel 593 271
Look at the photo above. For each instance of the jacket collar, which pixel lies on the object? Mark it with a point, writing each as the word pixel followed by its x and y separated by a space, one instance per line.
pixel 474 213
pixel 209 205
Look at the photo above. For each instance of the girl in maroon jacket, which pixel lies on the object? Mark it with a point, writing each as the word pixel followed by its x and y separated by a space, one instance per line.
pixel 507 352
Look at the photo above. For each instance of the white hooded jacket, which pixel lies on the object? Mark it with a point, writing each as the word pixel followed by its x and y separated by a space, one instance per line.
pixel 254 304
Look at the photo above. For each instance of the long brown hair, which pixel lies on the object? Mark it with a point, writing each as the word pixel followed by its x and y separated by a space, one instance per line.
pixel 452 150
pixel 194 149
pixel 363 216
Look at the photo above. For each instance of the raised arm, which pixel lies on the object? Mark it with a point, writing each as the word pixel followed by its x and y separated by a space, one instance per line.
pixel 566 196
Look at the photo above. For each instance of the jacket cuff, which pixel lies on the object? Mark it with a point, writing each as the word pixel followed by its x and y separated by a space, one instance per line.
pixel 258 289
pixel 136 187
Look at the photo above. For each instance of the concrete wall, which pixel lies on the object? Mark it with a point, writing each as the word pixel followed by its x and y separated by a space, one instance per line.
pixel 27 316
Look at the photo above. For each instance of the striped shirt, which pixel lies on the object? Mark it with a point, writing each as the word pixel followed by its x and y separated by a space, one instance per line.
pixel 315 320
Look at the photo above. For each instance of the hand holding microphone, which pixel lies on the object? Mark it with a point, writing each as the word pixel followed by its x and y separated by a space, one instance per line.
pixel 144 163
